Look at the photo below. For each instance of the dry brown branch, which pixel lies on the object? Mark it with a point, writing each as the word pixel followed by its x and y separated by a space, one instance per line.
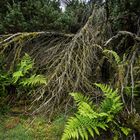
pixel 72 68
pixel 70 62
pixel 122 33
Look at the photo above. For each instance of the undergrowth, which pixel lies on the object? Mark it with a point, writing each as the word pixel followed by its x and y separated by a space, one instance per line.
pixel 38 128
pixel 21 78
pixel 91 120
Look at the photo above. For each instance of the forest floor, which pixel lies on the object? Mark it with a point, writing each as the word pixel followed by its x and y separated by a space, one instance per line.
pixel 16 126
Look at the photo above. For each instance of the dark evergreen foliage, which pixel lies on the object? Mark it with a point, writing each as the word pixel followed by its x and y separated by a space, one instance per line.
pixel 42 15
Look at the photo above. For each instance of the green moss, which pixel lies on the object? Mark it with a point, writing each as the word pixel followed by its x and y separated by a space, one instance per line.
pixel 23 128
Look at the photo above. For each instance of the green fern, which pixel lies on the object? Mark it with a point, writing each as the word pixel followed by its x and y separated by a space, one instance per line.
pixel 26 64
pixel 114 54
pixel 112 102
pixel 34 80
pixel 81 126
pixel 21 77
pixel 90 120
pixel 17 75
pixel 78 97
pixel 23 67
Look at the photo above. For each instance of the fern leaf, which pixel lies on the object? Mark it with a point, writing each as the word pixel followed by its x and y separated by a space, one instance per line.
pixel 114 54
pixel 86 110
pixel 103 126
pixel 85 122
pixel 16 76
pixel 78 97
pixel 84 125
pixel 96 130
pixel 90 130
pixel 112 102
pixel 125 130
pixel 26 64
pixel 34 80
pixel 88 120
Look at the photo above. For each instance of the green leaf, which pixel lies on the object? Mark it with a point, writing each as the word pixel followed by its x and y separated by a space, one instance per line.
pixel 90 131
pixel 96 130
pixel 114 54
pixel 17 75
pixel 90 119
pixel 34 80
pixel 125 130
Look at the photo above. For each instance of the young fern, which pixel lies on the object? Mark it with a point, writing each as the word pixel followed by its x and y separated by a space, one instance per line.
pixel 21 79
pixel 78 97
pixel 23 67
pixel 34 80
pixel 81 126
pixel 89 120
pixel 119 64
pixel 112 101
pixel 26 64
pixel 23 71
pixel 114 54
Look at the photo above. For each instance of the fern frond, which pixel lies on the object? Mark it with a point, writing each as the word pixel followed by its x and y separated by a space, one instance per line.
pixel 109 92
pixel 114 54
pixel 22 68
pixel 16 76
pixel 26 64
pixel 85 122
pixel 81 127
pixel 34 80
pixel 88 120
pixel 85 109
pixel 78 97
pixel 112 102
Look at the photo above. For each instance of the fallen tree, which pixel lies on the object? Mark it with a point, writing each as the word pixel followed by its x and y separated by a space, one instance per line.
pixel 70 62
pixel 73 62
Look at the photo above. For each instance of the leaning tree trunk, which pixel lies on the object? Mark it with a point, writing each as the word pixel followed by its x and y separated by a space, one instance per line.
pixel 73 62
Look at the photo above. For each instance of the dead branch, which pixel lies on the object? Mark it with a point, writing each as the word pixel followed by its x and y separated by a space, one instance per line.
pixel 122 33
